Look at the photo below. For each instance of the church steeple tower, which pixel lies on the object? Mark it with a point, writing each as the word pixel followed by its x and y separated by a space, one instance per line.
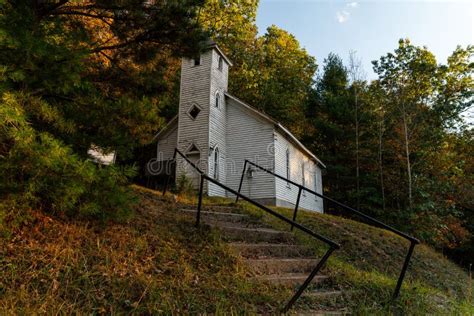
pixel 202 111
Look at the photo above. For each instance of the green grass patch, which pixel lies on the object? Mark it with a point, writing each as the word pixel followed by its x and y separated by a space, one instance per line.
pixel 367 266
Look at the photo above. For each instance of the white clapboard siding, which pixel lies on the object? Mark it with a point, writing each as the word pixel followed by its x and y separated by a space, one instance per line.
pixel 249 138
pixel 217 123
pixel 239 132
pixel 195 89
pixel 167 143
pixel 287 193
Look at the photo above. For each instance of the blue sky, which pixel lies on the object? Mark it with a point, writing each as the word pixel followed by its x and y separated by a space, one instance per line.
pixel 371 28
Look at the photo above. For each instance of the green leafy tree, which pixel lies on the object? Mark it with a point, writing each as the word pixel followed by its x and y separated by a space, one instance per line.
pixel 271 72
pixel 285 77
pixel 331 115
pixel 408 78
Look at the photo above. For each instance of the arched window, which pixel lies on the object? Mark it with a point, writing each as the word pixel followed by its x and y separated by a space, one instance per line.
pixel 218 100
pixel 216 163
pixel 219 64
pixel 288 163
pixel 315 183
pixel 303 178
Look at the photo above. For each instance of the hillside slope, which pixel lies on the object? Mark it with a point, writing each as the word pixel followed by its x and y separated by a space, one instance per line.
pixel 158 262
pixel 368 265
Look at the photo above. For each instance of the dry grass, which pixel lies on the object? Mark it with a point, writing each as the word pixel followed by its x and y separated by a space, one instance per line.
pixel 156 262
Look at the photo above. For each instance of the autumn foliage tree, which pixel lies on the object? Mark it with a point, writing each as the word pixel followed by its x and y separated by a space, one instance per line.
pixel 409 162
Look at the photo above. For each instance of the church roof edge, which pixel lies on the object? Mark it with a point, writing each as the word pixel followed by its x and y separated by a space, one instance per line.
pixel 212 44
pixel 278 125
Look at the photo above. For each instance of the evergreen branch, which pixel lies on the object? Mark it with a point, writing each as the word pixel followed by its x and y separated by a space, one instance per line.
pixel 85 14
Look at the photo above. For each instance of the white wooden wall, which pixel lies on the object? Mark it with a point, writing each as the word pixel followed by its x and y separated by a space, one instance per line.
pixel 167 144
pixel 217 123
pixel 287 192
pixel 239 135
pixel 249 138
pixel 195 89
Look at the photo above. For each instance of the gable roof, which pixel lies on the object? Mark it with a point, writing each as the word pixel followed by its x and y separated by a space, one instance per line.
pixel 212 44
pixel 278 127
pixel 167 127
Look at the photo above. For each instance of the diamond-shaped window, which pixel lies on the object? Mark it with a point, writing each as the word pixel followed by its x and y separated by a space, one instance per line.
pixel 194 111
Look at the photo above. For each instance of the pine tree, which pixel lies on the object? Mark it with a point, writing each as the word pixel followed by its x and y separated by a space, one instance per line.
pixel 68 81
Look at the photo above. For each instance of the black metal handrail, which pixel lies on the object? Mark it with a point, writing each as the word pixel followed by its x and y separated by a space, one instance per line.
pixel 413 240
pixel 332 244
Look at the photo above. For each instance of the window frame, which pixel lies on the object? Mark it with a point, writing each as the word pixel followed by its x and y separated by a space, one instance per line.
pixel 303 178
pixel 288 167
pixel 191 108
pixel 316 182
pixel 217 100
pixel 197 61
pixel 216 163
pixel 220 63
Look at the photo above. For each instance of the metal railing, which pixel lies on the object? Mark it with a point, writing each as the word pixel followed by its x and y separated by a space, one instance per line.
pixel 413 241
pixel 332 245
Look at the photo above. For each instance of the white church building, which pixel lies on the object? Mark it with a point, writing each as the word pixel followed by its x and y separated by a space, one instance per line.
pixel 217 131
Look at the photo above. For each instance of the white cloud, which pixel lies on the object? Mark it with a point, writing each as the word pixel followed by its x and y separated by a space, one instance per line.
pixel 353 4
pixel 342 16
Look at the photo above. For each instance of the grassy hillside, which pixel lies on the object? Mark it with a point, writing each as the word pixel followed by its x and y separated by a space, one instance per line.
pixel 155 262
pixel 369 262
pixel 158 262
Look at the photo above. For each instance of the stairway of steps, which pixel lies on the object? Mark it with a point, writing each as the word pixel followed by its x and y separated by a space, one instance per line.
pixel 272 256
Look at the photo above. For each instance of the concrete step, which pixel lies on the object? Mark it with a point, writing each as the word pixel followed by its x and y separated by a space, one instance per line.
pixel 217 216
pixel 281 266
pixel 220 219
pixel 214 208
pixel 266 250
pixel 291 279
pixel 253 235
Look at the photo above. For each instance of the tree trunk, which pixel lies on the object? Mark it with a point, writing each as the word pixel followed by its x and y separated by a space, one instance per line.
pixel 356 74
pixel 357 147
pixel 380 154
pixel 407 153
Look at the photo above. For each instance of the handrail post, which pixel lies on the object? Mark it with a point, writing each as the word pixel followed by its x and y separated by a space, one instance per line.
pixel 332 245
pixel 198 214
pixel 396 293
pixel 308 280
pixel 241 180
pixel 296 206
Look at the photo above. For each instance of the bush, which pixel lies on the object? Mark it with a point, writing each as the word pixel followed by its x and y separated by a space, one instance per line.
pixel 184 185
